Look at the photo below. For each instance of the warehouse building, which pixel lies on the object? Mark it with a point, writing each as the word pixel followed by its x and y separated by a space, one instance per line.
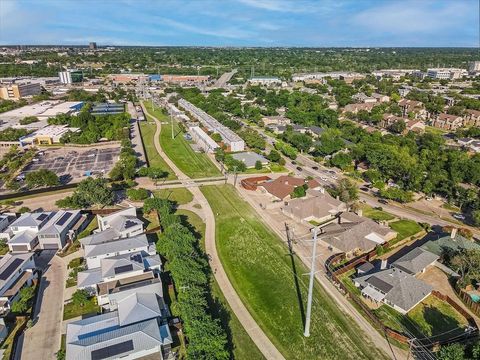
pixel 47 136
pixel 232 140
pixel 16 91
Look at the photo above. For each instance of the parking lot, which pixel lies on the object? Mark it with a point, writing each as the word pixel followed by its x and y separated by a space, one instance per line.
pixel 74 164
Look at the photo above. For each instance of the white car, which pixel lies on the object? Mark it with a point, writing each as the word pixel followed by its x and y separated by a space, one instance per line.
pixel 334 177
pixel 459 216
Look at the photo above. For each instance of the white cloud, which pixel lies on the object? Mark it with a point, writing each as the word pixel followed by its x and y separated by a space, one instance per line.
pixel 277 5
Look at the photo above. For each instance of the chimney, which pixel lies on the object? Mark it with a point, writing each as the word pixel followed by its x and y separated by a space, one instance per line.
pixel 453 234
pixel 383 265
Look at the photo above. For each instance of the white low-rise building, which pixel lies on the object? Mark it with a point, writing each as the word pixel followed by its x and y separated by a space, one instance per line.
pixel 202 139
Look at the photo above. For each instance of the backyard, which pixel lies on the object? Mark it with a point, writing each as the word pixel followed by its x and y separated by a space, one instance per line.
pixel 179 150
pixel 432 317
pixel 405 228
pixel 154 158
pixel 271 286
pixel 72 310
pixel 242 346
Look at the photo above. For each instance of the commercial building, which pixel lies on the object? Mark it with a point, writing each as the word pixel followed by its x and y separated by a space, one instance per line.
pixel 16 272
pixel 232 140
pixel 250 158
pixel 474 67
pixel 184 79
pixel 48 135
pixel 446 73
pixel 108 108
pixel 264 80
pixel 71 76
pixel 92 46
pixel 20 90
pixel 201 138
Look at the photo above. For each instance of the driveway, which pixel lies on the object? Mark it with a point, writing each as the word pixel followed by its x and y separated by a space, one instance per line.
pixel 42 340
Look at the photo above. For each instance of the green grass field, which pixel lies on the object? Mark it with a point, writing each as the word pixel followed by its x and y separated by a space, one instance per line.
pixel 194 165
pixel 243 348
pixel 154 158
pixel 262 273
pixel 376 214
pixel 405 228
pixel 71 310
pixel 180 195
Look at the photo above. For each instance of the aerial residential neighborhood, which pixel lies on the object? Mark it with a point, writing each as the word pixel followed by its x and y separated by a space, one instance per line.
pixel 239 180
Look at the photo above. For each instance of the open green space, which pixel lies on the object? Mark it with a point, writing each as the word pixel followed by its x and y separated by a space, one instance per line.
pixel 178 149
pixel 154 158
pixel 72 310
pixel 271 285
pixel 432 317
pixel 243 348
pixel 376 214
pixel 180 195
pixel 267 169
pixel 405 228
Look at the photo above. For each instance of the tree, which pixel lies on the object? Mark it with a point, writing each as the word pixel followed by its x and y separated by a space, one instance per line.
pixel 274 156
pixel 80 297
pixel 216 137
pixel 342 160
pixel 476 217
pixel 451 352
pixel 41 178
pixel 258 165
pixel 28 120
pixel 398 127
pixel 89 192
pixel 347 191
pixel 24 300
pixel 299 191
pixel 137 194
pixel 24 209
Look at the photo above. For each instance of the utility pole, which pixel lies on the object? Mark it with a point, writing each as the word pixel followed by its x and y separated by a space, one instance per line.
pixel 171 123
pixel 235 176
pixel 306 333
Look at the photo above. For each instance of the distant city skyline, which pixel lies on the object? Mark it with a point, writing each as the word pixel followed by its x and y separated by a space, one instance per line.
pixel 303 23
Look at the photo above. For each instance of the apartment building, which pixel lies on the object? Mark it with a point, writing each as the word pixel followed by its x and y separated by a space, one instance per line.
pixel 201 138
pixel 447 122
pixel 446 73
pixel 233 141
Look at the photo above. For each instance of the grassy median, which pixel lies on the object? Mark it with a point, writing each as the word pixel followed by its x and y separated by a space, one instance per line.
pixel 274 289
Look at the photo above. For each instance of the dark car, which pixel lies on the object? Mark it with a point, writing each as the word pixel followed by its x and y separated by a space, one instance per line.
pixel 331 172
pixel 294 162
pixel 299 168
pixel 383 201
pixel 364 188
pixel 315 167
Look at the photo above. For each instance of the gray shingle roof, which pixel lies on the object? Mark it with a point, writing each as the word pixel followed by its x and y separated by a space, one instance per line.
pixel 415 261
pixel 89 278
pixel 138 307
pixel 118 245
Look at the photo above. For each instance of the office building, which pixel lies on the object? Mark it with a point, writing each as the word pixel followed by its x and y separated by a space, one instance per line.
pixel 92 46
pixel 474 67
pixel 16 91
pixel 446 73
pixel 71 76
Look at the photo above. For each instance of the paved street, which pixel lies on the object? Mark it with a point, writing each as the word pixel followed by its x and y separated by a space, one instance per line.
pixel 135 135
pixel 42 340
pixel 251 327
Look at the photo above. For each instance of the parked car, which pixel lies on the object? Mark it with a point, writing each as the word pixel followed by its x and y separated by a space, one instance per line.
pixel 294 162
pixel 364 188
pixel 315 167
pixel 459 216
pixel 299 168
pixel 383 201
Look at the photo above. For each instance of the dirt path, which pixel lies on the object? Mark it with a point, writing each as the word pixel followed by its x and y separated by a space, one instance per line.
pixel 251 327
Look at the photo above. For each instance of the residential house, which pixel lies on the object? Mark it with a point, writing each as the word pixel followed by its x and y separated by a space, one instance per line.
pixel 125 222
pixel 318 209
pixel 393 287
pixel 316 131
pixel 5 220
pixel 96 251
pixel 275 120
pixel 362 98
pixel 355 108
pixel 55 233
pixel 16 272
pixel 283 186
pixel 277 129
pixel 380 98
pixel 472 117
pixel 23 231
pixel 3 330
pixel 136 329
pixel 354 234
pixel 390 119
pixel 471 144
pixel 415 261
pixel 448 122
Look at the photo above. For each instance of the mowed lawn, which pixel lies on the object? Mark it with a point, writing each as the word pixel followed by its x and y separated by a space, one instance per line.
pixel 258 265
pixel 193 164
pixel 405 228
pixel 154 158
pixel 241 346
pixel 376 214
pixel 179 195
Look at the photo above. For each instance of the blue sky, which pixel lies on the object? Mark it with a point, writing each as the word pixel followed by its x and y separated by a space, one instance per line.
pixel 316 23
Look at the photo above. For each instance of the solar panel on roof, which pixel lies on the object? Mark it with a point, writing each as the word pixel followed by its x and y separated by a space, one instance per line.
pixel 64 218
pixel 10 269
pixel 123 268
pixel 42 217
pixel 129 224
pixel 112 350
